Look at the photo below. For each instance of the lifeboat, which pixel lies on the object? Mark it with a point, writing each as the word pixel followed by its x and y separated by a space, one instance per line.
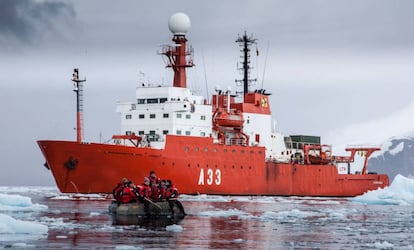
pixel 172 208
pixel 232 120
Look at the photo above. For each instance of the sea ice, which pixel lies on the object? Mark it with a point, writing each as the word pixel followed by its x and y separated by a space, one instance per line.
pixel 400 192
pixel 174 228
pixel 9 225
pixel 15 202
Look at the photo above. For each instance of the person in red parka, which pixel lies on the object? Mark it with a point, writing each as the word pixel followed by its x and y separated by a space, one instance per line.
pixel 154 184
pixel 144 189
pixel 171 194
pixel 117 191
pixel 161 190
pixel 128 193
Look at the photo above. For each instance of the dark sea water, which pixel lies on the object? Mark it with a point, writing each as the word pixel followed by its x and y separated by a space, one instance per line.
pixel 213 222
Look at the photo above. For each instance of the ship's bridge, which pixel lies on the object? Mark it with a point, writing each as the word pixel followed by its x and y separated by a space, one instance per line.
pixel 162 110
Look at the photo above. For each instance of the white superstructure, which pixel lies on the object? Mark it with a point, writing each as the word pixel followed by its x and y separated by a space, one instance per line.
pixel 159 110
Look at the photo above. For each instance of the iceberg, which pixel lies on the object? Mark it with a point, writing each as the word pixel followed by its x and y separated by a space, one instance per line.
pixel 9 225
pixel 400 192
pixel 15 202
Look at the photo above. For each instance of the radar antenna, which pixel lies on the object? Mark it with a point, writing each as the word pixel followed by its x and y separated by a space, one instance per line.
pixel 179 24
pixel 245 42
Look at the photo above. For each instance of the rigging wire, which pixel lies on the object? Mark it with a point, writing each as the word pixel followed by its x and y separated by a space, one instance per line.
pixel 205 71
pixel 264 69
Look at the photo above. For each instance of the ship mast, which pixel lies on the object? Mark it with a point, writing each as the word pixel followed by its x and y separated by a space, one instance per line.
pixel 179 24
pixel 244 43
pixel 78 89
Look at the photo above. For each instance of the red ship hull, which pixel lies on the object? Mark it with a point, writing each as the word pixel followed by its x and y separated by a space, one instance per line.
pixel 197 165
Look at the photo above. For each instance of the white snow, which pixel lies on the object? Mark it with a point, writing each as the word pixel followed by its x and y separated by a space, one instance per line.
pixel 397 149
pixel 174 228
pixel 400 192
pixel 9 225
pixel 15 202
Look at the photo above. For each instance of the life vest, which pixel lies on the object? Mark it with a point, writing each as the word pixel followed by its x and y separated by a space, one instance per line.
pixel 161 193
pixel 117 192
pixel 171 192
pixel 128 195
pixel 154 185
pixel 144 191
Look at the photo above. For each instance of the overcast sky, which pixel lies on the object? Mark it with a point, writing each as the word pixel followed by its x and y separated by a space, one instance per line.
pixel 339 69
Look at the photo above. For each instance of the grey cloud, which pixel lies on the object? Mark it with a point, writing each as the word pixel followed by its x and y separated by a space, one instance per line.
pixel 25 20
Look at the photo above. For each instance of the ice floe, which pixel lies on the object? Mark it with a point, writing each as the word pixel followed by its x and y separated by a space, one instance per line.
pixel 174 228
pixel 15 202
pixel 400 192
pixel 9 225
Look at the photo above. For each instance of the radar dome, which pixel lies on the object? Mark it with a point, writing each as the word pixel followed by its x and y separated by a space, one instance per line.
pixel 179 23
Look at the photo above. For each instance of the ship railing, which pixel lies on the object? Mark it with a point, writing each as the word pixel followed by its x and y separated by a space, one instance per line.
pixel 236 141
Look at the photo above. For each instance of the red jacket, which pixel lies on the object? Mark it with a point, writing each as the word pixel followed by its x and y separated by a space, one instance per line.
pixel 144 191
pixel 117 191
pixel 161 193
pixel 154 184
pixel 171 192
pixel 128 195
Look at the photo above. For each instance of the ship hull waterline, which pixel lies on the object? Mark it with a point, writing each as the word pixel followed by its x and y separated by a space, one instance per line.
pixel 196 165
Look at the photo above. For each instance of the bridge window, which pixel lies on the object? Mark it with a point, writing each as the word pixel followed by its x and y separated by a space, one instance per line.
pixel 187 116
pixel 128 132
pixel 152 116
pixel 141 101
pixel 128 116
pixel 165 115
pixel 178 132
pixel 203 133
pixel 203 117
pixel 152 132
pixel 152 100
pixel 187 133
pixel 165 132
pixel 141 116
pixel 162 100
pixel 141 132
pixel 179 115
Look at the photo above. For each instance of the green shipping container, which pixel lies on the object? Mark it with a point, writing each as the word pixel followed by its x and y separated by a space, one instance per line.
pixel 306 139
